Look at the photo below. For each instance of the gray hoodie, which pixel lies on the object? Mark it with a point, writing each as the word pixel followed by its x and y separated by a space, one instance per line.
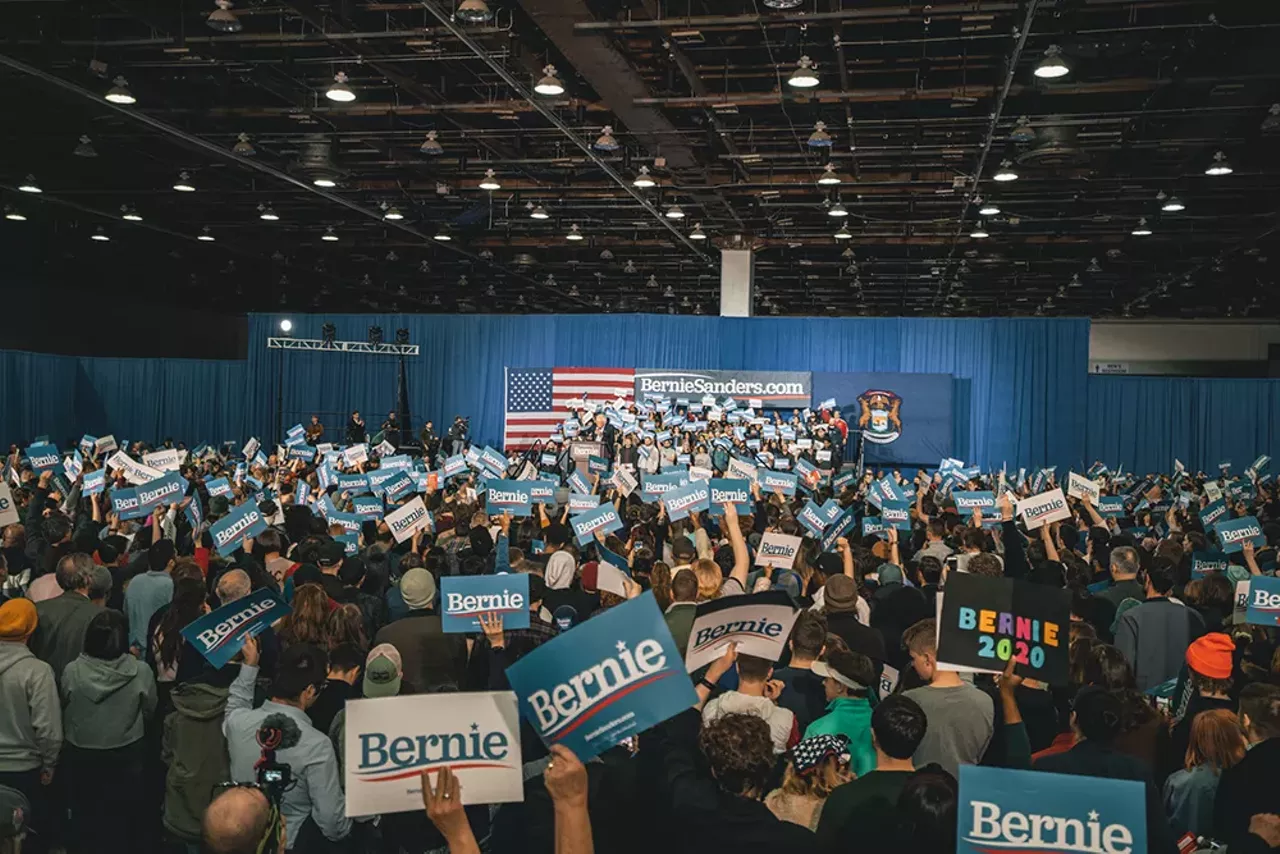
pixel 31 721
pixel 106 703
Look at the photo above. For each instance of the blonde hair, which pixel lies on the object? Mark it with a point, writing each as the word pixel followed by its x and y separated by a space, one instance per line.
pixel 1217 740
pixel 709 578
pixel 819 781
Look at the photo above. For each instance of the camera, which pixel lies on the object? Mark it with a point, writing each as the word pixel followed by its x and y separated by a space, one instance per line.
pixel 275 778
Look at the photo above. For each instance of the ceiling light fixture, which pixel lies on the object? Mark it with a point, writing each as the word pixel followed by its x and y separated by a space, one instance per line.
pixel 431 145
pixel 539 212
pixel 843 233
pixel 1022 130
pixel 85 148
pixel 805 75
pixel 29 185
pixel 243 146
pixel 837 209
pixel 128 213
pixel 1141 229
pixel 392 212
pixel 13 214
pixel 204 236
pixel 183 184
pixel 100 236
pixel 819 138
pixel 1005 173
pixel 979 231
pixel 697 233
pixel 674 212
pixel 1219 166
pixel 550 84
pixel 329 236
pixel 268 213
pixel 783 4
pixel 606 141
pixel 442 234
pixel 474 12
pixel 489 181
pixel 1172 205
pixel 1053 65
pixel 324 182
pixel 574 233
pixel 339 90
pixel 119 93
pixel 222 19
pixel 1094 266
pixel 988 208
pixel 643 178
pixel 829 176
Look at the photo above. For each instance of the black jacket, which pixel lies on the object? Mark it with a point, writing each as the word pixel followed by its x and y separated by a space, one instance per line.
pixel 1246 790
pixel 1093 759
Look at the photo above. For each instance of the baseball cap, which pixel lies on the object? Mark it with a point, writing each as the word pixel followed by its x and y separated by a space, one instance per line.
pixel 330 553
pixel 418 588
pixel 383 671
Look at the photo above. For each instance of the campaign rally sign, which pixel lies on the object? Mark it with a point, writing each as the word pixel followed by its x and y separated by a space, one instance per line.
pixel 738 469
pixel 455 465
pixel 243 521
pixel 1234 533
pixel 896 514
pixel 94 482
pixel 355 454
pixel 1002 809
pixel 124 503
pixel 169 489
pixel 840 528
pixel 811 517
pixel 657 485
pixel 542 491
pixel 1039 510
pixel 218 486
pixel 967 502
pixel 694 498
pixel 509 496
pixel 604 680
pixel 195 513
pixel 759 623
pixel 577 483
pixel 408 518
pixel 353 484
pixel 1213 513
pixel 625 481
pixel 302 451
pixel 465 597
pixel 390 741
pixel 399 486
pixel 169 459
pixel 43 457
pixel 1082 487
pixel 367 507
pixel 1205 562
pixel 735 491
pixel 1111 506
pixel 8 510
pixel 604 519
pixel 777 550
pixel 218 635
pixel 350 522
pixel 582 503
pixel 778 480
pixel 1264 601
pixel 985 621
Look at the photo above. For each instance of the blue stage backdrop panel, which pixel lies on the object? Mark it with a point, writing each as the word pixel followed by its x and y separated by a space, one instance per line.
pixel 1020 394
pixel 1145 422
pixel 925 412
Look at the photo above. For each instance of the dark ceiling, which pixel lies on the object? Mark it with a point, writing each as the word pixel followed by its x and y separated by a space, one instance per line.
pixel 922 104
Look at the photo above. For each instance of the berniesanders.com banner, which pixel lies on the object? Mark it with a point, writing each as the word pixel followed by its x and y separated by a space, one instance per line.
pixel 773 389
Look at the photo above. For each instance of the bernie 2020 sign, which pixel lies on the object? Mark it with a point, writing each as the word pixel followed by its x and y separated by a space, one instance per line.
pixel 986 621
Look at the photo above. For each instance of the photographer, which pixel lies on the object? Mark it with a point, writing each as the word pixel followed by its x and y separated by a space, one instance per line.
pixel 294 756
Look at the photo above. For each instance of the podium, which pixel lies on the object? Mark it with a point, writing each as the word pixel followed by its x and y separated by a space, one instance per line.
pixel 579 452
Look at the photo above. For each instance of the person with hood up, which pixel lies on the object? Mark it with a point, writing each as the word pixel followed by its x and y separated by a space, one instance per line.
pixel 194 751
pixel 31 726
pixel 108 696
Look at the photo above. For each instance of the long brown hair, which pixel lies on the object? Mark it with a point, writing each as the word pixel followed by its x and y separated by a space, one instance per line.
pixel 305 624
pixel 345 624
pixel 1217 740
pixel 660 583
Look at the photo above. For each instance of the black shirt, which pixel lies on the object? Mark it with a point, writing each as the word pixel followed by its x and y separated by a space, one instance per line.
pixel 331 700
pixel 860 638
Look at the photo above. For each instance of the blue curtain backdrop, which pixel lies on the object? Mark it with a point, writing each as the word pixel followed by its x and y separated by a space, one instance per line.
pixel 1020 395
pixel 1145 422
pixel 65 397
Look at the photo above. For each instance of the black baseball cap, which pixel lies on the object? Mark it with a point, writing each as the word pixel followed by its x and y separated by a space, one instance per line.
pixel 331 553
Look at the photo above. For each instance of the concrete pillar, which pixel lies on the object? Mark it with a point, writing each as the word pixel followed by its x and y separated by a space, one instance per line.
pixel 737 282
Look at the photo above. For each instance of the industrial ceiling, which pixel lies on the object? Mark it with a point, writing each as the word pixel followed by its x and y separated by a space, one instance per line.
pixel 315 156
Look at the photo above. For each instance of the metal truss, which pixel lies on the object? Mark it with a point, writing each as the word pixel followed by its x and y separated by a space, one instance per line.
pixel 342 346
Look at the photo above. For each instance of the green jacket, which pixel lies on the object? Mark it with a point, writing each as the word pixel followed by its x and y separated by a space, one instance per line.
pixel 196 752
pixel 850 716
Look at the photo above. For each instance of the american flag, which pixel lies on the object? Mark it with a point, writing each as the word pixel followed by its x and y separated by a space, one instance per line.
pixel 537 398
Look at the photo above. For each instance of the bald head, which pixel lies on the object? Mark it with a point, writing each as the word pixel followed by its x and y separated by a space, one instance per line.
pixel 232 585
pixel 236 822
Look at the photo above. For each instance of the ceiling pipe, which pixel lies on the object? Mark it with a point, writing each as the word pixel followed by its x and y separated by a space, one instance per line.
pixel 792 18
pixel 258 166
pixel 516 86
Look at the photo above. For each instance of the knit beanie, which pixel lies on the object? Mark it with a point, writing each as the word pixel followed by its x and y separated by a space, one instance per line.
pixel 17 620
pixel 1210 655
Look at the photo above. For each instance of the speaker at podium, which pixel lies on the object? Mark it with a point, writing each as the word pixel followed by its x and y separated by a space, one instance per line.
pixel 581 451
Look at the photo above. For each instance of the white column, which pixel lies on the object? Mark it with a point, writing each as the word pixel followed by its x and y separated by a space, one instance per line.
pixel 737 282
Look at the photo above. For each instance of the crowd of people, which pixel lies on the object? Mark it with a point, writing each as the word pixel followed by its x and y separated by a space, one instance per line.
pixel 118 735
